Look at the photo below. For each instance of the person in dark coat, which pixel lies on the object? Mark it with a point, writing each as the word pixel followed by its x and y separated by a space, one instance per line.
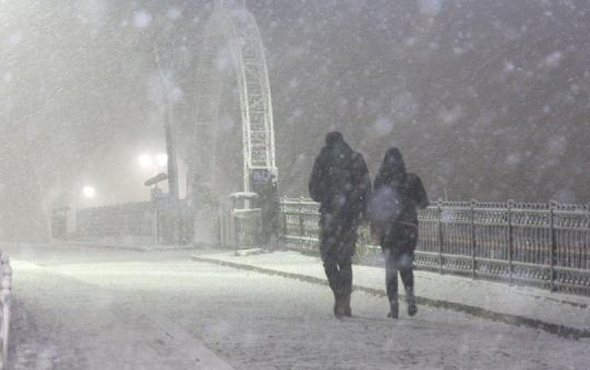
pixel 269 203
pixel 340 182
pixel 397 196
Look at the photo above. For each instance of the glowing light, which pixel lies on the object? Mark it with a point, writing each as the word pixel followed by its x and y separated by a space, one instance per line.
pixel 146 161
pixel 161 160
pixel 89 192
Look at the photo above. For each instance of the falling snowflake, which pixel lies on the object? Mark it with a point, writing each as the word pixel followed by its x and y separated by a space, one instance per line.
pixel 142 19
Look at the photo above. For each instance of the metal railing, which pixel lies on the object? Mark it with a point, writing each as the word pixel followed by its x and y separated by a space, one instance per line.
pixel 248 227
pixel 128 219
pixel 146 222
pixel 544 245
pixel 5 306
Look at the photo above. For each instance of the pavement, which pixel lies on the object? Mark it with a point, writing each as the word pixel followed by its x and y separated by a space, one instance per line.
pixel 81 308
pixel 557 313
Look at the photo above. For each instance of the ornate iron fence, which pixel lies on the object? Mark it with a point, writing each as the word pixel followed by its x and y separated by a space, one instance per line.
pixel 128 219
pixel 248 227
pixel 161 221
pixel 544 245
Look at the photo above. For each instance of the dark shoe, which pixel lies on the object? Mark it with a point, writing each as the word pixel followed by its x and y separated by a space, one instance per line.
pixel 337 308
pixel 346 310
pixel 338 305
pixel 393 310
pixel 411 299
pixel 339 311
pixel 412 309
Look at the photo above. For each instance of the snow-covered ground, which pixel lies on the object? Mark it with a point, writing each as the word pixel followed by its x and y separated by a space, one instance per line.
pixel 570 311
pixel 83 308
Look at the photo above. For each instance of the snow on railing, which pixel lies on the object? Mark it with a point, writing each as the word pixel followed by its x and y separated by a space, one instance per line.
pixel 5 304
pixel 544 244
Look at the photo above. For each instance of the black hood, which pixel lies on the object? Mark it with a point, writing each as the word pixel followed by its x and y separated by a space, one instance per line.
pixel 334 137
pixel 393 163
pixel 336 147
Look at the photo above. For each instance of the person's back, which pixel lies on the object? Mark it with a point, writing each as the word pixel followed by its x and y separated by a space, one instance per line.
pixel 410 191
pixel 397 196
pixel 340 183
pixel 339 180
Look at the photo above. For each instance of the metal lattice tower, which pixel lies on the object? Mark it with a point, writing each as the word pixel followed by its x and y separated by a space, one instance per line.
pixel 232 37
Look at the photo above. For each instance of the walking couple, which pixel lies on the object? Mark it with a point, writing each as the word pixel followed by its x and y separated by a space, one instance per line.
pixel 340 182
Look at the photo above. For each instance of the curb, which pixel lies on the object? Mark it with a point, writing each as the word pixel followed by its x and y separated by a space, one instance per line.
pixel 130 248
pixel 516 320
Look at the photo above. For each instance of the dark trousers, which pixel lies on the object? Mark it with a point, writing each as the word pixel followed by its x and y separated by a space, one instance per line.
pixel 402 263
pixel 337 246
pixel 339 276
pixel 398 245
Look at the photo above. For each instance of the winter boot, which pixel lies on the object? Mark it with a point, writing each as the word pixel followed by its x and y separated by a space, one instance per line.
pixel 346 291
pixel 338 303
pixel 393 309
pixel 412 309
pixel 342 303
pixel 346 310
pixel 334 283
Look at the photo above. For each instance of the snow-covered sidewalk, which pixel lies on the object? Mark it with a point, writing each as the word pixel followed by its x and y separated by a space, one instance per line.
pixel 566 315
pixel 67 322
pixel 90 308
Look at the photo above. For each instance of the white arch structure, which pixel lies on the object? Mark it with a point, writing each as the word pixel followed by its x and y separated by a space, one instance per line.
pixel 232 40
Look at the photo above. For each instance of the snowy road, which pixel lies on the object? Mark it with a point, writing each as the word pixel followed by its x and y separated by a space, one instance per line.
pixel 93 309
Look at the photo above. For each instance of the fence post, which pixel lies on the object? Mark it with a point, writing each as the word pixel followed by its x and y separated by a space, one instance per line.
pixel 155 235
pixel 440 236
pixel 553 243
pixel 510 241
pixel 301 221
pixel 220 225
pixel 473 241
pixel 586 264
pixel 283 209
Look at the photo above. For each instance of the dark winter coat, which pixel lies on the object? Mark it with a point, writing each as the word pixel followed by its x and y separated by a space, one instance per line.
pixel 397 196
pixel 340 180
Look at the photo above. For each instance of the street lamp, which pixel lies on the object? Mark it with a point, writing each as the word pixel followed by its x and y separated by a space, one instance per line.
pixel 148 161
pixel 145 161
pixel 89 192
pixel 162 160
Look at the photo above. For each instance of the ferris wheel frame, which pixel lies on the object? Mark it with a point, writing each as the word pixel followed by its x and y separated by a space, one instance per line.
pixel 232 37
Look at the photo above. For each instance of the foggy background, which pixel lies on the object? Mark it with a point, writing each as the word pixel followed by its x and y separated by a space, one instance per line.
pixel 486 100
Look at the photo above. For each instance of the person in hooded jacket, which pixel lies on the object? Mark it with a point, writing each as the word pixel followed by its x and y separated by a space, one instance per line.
pixel 397 196
pixel 340 182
